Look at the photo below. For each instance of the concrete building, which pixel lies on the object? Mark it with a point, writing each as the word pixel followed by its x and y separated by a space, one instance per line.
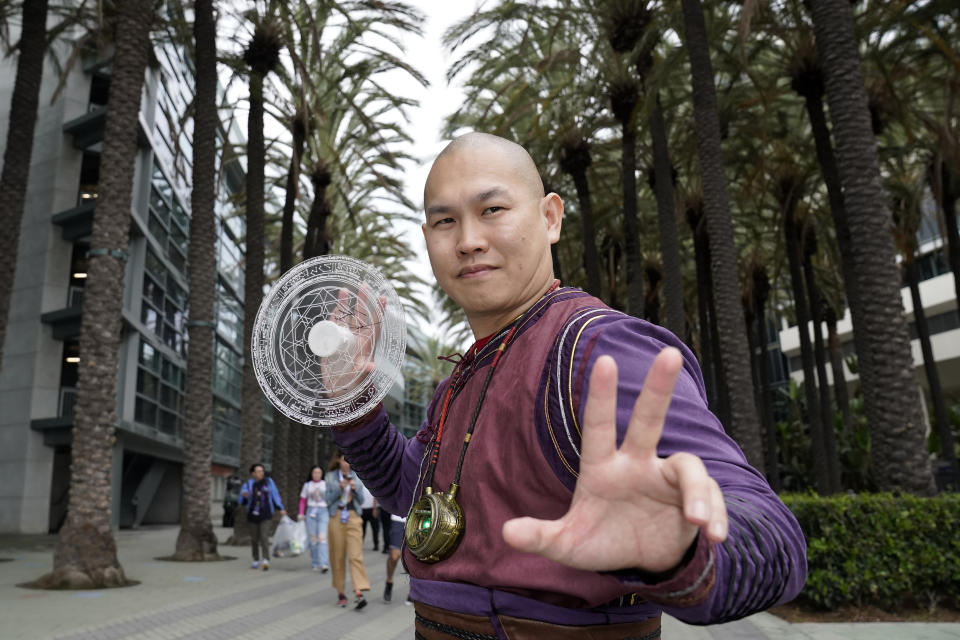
pixel 940 307
pixel 40 367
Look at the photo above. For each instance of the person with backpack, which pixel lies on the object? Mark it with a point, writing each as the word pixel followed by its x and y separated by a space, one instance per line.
pixel 260 496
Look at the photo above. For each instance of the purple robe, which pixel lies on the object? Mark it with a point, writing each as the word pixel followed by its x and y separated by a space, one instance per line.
pixel 523 461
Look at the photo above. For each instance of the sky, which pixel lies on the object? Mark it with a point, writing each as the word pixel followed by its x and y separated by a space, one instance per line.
pixel 436 102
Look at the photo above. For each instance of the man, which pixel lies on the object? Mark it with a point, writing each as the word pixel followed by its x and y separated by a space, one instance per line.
pixel 588 507
pixel 261 497
pixel 394 542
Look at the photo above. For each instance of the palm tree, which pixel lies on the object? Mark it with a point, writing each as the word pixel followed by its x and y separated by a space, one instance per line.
pixel 907 191
pixel 890 390
pixel 262 56
pixel 744 422
pixel 86 554
pixel 19 147
pixel 197 540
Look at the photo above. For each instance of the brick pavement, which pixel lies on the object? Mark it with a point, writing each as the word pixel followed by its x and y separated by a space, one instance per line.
pixel 228 601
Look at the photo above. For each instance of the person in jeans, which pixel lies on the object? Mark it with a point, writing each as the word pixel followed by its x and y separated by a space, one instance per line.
pixel 344 498
pixel 260 496
pixel 313 507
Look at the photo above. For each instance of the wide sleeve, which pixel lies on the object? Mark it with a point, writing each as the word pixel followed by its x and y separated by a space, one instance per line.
pixel 386 461
pixel 275 495
pixel 763 560
pixel 331 493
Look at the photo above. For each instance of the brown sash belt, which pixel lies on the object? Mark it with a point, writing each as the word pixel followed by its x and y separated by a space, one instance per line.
pixel 440 624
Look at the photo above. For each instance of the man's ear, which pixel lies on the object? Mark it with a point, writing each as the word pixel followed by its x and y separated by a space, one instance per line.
pixel 551 207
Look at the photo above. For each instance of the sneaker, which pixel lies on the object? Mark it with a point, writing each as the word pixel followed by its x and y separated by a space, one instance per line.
pixel 388 592
pixel 409 601
pixel 357 596
pixel 266 565
pixel 254 565
pixel 376 547
pixel 325 569
pixel 342 600
pixel 361 603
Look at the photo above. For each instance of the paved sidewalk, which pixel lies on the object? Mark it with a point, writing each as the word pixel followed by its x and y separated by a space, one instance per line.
pixel 228 601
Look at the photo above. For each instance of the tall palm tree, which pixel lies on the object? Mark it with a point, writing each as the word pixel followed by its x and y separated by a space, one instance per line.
pixel 890 390
pixel 19 147
pixel 196 540
pixel 744 422
pixel 86 553
pixel 907 192
pixel 262 55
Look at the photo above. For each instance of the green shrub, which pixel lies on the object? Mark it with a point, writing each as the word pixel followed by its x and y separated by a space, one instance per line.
pixel 886 550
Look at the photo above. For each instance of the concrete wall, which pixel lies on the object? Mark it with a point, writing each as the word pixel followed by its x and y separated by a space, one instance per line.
pixel 30 379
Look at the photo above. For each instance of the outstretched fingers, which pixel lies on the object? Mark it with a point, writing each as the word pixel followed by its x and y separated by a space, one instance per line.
pixel 599 439
pixel 703 503
pixel 650 409
pixel 531 535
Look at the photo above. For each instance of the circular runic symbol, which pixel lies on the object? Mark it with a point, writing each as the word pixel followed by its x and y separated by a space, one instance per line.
pixel 328 341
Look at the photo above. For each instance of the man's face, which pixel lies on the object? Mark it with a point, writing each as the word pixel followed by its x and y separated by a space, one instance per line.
pixel 258 473
pixel 488 233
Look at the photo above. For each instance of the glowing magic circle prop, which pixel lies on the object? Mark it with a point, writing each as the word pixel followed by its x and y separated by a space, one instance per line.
pixel 328 341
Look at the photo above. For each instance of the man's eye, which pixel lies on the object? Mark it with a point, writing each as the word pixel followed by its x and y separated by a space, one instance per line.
pixel 492 209
pixel 443 221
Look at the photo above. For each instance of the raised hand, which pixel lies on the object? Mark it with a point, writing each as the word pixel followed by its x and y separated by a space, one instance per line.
pixel 630 508
pixel 344 370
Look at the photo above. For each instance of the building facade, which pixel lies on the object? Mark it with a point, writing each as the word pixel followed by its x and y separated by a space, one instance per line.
pixel 41 354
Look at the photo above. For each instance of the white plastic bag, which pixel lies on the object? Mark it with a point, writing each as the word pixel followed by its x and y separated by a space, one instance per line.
pixel 282 537
pixel 290 538
pixel 298 543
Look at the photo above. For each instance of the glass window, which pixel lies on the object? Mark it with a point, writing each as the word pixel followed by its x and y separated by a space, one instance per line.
pixel 146 383
pixel 145 412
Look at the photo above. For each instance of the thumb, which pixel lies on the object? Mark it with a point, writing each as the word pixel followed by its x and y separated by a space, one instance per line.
pixel 532 535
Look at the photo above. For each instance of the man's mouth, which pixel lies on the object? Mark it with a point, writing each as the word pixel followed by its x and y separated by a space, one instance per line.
pixel 474 270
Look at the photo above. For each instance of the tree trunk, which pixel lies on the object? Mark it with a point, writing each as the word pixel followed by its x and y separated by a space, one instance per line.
pixel 890 390
pixel 197 540
pixel 824 405
pixel 944 432
pixel 631 228
pixel 821 468
pixel 839 378
pixel 591 260
pixel 19 150
pixel 761 292
pixel 667 221
pixel 744 422
pixel 555 258
pixel 86 554
pixel 704 308
pixel 949 192
pixel 723 389
pixel 316 242
pixel 575 158
pixel 251 446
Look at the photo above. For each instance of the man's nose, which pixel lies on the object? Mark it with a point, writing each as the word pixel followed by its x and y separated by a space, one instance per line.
pixel 471 237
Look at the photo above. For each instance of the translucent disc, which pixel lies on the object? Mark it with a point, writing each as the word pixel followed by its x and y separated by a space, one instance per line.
pixel 328 341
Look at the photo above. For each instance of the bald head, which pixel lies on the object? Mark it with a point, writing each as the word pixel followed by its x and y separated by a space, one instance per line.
pixel 494 149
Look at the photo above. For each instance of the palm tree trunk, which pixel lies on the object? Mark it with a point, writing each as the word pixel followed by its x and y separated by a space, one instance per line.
pixel 949 192
pixel 944 432
pixel 631 228
pixel 744 422
pixel 86 554
pixel 890 390
pixel 761 291
pixel 17 155
pixel 704 309
pixel 251 447
pixel 316 242
pixel 667 221
pixel 722 408
pixel 821 468
pixel 591 259
pixel 197 540
pixel 824 405
pixel 836 366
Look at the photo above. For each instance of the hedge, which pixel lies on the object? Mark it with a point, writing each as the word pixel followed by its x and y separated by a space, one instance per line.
pixel 886 550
